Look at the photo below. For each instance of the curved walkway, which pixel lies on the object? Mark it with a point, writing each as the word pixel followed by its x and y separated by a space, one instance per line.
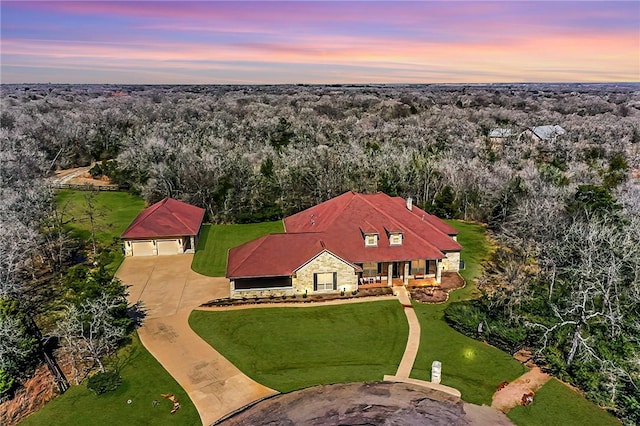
pixel 413 341
pixel 169 290
pixel 411 350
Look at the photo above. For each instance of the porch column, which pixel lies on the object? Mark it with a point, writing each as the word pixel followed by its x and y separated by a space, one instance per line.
pixel 438 271
pixel 390 274
pixel 193 243
pixel 405 278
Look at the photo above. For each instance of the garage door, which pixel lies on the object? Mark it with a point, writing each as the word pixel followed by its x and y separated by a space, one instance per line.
pixel 168 247
pixel 142 248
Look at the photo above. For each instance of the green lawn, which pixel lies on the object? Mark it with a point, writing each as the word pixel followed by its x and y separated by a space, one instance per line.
pixel 113 212
pixel 216 240
pixel 144 380
pixel 294 348
pixel 472 367
pixel 557 405
pixel 475 250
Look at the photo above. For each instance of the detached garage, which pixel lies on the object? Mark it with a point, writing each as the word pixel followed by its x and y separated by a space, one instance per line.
pixel 166 228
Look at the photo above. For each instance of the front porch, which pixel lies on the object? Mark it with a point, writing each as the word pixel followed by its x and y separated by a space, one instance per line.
pixel 409 273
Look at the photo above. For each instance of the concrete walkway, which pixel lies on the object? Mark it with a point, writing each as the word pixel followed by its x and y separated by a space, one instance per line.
pixel 413 341
pixel 170 290
pixel 411 350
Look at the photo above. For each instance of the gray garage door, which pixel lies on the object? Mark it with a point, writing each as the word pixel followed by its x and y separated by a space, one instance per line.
pixel 142 248
pixel 166 247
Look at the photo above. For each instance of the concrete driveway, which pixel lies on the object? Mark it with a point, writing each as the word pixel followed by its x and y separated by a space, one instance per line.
pixel 169 290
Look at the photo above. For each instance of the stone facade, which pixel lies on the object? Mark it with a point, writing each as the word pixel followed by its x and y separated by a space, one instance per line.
pixel 261 293
pixel 325 262
pixel 302 281
pixel 451 263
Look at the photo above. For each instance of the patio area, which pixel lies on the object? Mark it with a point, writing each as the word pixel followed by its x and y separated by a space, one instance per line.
pixel 449 281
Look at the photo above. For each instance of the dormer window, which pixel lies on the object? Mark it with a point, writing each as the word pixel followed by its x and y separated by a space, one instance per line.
pixel 371 240
pixel 395 238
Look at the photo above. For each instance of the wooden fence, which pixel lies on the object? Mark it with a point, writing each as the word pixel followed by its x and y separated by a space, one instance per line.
pixel 86 187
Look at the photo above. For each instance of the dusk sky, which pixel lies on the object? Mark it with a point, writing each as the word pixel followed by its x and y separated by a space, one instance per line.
pixel 213 42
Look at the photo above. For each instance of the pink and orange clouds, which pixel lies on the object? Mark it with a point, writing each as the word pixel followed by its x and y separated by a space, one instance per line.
pixel 319 42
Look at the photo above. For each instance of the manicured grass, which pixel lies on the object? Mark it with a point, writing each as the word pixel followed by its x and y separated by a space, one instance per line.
pixel 144 380
pixel 557 405
pixel 472 367
pixel 112 211
pixel 475 250
pixel 216 240
pixel 294 348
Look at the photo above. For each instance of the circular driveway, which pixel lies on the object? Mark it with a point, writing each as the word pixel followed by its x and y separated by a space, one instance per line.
pixel 168 290
pixel 166 284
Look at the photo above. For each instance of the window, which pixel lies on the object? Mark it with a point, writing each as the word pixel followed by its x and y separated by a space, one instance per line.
pixel 418 267
pixel 369 269
pixel 370 240
pixel 326 281
pixel 395 239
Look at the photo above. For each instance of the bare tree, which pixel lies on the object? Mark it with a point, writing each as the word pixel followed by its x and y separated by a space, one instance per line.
pixel 91 332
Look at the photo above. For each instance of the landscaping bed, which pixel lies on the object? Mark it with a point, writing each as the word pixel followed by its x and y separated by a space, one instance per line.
pixel 369 292
pixel 440 293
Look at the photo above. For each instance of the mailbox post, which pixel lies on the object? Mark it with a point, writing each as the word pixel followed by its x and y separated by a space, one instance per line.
pixel 436 369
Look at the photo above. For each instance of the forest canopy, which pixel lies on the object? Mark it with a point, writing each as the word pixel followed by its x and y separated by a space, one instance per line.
pixel 563 206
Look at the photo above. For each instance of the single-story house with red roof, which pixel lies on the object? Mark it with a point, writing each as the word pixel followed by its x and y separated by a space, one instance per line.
pixel 167 227
pixel 346 242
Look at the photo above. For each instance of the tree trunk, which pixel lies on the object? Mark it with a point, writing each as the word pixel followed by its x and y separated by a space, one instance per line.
pixel 574 345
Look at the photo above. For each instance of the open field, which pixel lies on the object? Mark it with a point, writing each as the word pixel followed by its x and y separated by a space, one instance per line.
pixel 112 212
pixel 216 240
pixel 143 381
pixel 293 348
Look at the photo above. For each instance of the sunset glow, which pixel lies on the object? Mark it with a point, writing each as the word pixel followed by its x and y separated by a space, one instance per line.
pixel 319 42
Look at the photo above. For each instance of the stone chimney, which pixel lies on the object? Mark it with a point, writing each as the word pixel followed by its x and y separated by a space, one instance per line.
pixel 409 203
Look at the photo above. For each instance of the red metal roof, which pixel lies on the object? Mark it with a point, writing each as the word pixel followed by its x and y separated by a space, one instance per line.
pixel 275 255
pixel 339 224
pixel 166 218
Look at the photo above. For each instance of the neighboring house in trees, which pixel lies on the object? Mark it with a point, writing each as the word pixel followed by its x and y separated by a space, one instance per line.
pixel 499 134
pixel 344 243
pixel 547 133
pixel 168 227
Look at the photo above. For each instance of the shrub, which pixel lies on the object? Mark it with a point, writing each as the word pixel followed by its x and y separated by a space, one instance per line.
pixel 508 337
pixel 104 382
pixel 466 316
pixel 6 383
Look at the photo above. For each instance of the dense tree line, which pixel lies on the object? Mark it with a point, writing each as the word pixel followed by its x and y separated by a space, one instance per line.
pixel 563 282
pixel 45 301
pixel 249 153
